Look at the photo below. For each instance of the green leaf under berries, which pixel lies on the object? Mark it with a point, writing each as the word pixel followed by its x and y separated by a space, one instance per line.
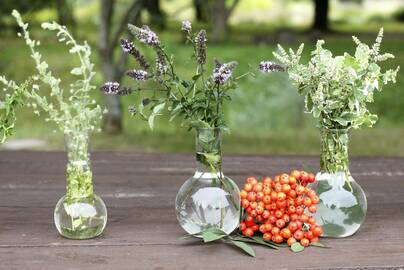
pixel 318 244
pixel 297 247
pixel 243 246
pixel 212 234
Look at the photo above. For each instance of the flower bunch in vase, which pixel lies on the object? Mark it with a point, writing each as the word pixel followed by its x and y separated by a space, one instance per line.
pixel 337 90
pixel 80 214
pixel 209 199
pixel 13 97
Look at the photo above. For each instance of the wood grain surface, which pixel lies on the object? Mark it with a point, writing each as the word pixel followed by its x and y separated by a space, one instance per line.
pixel 142 231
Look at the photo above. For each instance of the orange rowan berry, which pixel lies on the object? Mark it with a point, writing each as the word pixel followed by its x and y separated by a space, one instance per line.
pixel 277 238
pixel 245 203
pixel 305 242
pixel 252 196
pixel 252 180
pixel 292 180
pixel 257 187
pixel 291 241
pixel 307 202
pixel 317 230
pixel 293 226
pixel 281 196
pixel 298 235
pixel 286 233
pixel 260 195
pixel 299 210
pixel 248 232
pixel 296 174
pixel 315 199
pixel 275 230
pixel 280 223
pixel 243 194
pixel 263 228
pixel 286 188
pixel 284 179
pixel 267 236
pixel 242 226
pixel 313 209
pixel 248 187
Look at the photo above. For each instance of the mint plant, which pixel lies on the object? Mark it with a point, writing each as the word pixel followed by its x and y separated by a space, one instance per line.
pixel 337 89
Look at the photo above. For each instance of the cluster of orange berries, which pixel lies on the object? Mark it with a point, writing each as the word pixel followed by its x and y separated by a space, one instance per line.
pixel 280 208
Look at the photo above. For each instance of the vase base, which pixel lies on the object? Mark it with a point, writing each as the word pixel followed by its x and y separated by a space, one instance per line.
pixel 80 218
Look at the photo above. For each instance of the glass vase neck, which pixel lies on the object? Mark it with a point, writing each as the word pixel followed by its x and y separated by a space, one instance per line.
pixel 208 152
pixel 78 170
pixel 334 150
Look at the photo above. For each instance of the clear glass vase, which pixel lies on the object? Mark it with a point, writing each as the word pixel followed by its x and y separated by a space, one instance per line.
pixel 80 214
pixel 343 205
pixel 208 199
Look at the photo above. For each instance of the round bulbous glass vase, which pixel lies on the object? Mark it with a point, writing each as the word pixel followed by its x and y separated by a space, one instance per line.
pixel 80 218
pixel 80 213
pixel 343 205
pixel 209 199
pixel 342 208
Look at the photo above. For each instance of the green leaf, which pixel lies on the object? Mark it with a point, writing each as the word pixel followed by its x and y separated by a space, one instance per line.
pixel 260 241
pixel 212 235
pixel 76 71
pixel 243 246
pixel 297 247
pixel 318 244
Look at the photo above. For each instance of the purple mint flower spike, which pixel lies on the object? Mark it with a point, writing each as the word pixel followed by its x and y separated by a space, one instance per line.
pixel 222 72
pixel 138 75
pixel 127 46
pixel 268 66
pixel 110 88
pixel 147 36
pixel 186 26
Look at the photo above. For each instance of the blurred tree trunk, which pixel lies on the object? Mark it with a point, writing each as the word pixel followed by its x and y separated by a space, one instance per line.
pixel 157 16
pixel 321 8
pixel 112 67
pixel 220 16
pixel 201 10
pixel 65 12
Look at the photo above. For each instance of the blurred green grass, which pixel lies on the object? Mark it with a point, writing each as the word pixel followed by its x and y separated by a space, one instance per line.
pixel 266 114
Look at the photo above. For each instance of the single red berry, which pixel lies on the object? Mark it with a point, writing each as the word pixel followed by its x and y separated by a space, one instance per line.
pixel 257 188
pixel 305 242
pixel 277 238
pixel 313 209
pixel 249 221
pixel 280 223
pixel 314 240
pixel 309 235
pixel 248 232
pixel 255 227
pixel 242 226
pixel 267 236
pixel 296 174
pixel 248 187
pixel 317 231
pixel 275 230
pixel 293 226
pixel 315 199
pixel 251 180
pixel 245 203
pixel 286 233
pixel 298 235
pixel 263 228
pixel 291 241
pixel 307 202
pixel 252 196
pixel 284 178
pixel 299 210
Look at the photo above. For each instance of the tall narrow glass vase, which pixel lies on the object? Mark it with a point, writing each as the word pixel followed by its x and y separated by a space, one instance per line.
pixel 343 205
pixel 209 199
pixel 80 214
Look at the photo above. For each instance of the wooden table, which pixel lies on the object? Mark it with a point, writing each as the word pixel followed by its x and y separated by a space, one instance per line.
pixel 142 230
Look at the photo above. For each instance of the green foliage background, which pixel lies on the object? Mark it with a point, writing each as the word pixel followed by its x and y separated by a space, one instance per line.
pixel 266 114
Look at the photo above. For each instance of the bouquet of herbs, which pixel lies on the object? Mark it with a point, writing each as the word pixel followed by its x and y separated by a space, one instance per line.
pixel 197 100
pixel 12 99
pixel 337 89
pixel 73 110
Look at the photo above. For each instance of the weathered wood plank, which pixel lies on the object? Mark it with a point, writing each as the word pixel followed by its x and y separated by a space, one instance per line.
pixel 142 232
